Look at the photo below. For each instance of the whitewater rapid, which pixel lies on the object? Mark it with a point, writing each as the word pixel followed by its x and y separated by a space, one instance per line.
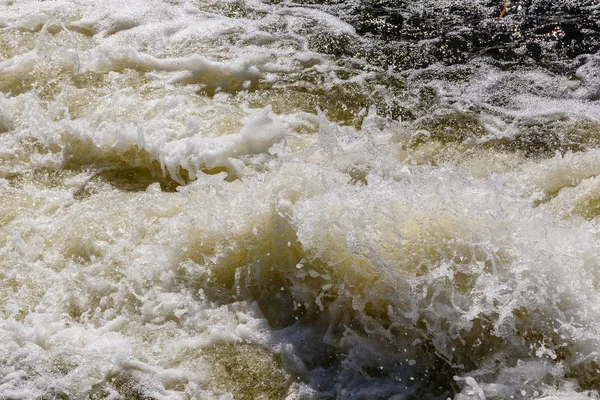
pixel 258 200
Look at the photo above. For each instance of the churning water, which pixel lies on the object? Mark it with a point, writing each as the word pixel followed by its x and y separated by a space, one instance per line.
pixel 205 199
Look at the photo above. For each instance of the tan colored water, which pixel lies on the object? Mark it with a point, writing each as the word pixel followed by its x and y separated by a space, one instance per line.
pixel 194 204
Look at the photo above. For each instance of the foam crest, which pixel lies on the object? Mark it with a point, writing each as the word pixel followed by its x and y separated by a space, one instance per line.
pixel 212 76
pixel 193 155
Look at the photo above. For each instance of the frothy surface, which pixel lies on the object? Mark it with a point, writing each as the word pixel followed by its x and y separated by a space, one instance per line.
pixel 216 200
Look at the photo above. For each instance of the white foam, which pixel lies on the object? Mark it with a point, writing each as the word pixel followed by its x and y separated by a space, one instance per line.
pixel 339 259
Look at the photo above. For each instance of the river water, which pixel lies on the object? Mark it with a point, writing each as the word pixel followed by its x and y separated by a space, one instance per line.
pixel 248 199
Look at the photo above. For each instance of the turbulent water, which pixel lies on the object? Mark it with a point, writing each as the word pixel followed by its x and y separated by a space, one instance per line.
pixel 248 199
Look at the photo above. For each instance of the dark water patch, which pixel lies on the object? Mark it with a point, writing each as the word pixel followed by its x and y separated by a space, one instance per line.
pixel 125 179
pixel 14 42
pixel 5 125
pixel 448 126
pixel 347 100
pixel 43 80
pixel 342 103
pixel 124 384
pixel 55 394
pixel 586 374
pixel 234 9
pixel 248 371
pixel 546 136
pixel 407 34
pixel 340 44
pixel 47 178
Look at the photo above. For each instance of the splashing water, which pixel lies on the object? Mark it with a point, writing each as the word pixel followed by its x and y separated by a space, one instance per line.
pixel 264 200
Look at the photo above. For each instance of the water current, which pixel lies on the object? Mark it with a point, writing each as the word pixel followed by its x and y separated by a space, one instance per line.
pixel 346 199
